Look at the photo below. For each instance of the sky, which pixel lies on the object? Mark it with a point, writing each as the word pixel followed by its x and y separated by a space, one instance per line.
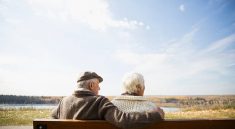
pixel 181 47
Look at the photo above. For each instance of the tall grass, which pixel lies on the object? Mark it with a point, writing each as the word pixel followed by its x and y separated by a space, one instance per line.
pixel 26 116
pixel 22 116
pixel 202 114
pixel 192 107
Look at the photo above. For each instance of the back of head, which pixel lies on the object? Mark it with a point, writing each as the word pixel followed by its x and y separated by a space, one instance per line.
pixel 132 82
pixel 86 77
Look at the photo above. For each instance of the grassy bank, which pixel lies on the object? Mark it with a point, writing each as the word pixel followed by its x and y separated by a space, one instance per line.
pixel 21 116
pixel 202 114
pixel 25 116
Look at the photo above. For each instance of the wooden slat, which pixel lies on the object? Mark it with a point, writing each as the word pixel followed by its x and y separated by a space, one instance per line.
pixel 166 124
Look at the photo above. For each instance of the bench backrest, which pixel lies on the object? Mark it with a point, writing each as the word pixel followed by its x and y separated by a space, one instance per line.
pixel 167 124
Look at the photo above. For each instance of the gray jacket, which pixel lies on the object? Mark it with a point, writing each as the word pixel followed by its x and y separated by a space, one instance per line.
pixel 84 105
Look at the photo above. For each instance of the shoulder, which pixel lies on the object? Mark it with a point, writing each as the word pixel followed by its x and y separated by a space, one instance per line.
pixel 66 98
pixel 151 103
pixel 102 99
pixel 133 98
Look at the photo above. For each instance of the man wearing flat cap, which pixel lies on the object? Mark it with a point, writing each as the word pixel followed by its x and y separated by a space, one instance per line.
pixel 86 104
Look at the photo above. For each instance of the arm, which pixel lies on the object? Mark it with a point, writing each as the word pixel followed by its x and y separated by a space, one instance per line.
pixel 56 112
pixel 131 120
pixel 127 120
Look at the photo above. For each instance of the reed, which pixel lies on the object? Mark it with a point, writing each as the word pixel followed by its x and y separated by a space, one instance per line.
pixel 202 114
pixel 26 116
pixel 192 107
pixel 22 116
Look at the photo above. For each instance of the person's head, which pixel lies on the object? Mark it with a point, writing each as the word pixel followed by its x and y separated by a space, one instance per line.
pixel 133 83
pixel 90 81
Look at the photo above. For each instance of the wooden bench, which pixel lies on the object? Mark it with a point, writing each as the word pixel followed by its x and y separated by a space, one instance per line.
pixel 166 124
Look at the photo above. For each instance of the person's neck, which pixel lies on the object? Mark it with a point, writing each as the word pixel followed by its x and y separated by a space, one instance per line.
pixel 130 94
pixel 81 89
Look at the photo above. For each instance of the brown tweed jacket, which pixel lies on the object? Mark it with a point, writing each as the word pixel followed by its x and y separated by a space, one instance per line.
pixel 84 105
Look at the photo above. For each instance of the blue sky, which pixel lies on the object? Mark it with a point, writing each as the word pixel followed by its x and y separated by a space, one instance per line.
pixel 182 47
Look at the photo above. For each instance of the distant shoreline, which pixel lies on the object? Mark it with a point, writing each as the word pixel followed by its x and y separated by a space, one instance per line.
pixel 214 101
pixel 15 99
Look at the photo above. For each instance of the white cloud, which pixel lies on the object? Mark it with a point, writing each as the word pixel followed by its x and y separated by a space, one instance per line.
pixel 148 27
pixel 182 8
pixel 181 62
pixel 42 38
pixel 13 20
pixel 14 60
pixel 94 13
pixel 40 82
pixel 222 44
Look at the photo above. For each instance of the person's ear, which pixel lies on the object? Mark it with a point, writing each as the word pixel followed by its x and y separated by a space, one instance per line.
pixel 91 85
pixel 138 87
pixel 140 90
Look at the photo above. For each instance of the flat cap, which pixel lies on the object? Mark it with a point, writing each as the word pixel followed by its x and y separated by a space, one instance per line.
pixel 89 75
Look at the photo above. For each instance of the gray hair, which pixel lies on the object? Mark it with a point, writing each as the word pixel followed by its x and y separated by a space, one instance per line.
pixel 86 83
pixel 133 81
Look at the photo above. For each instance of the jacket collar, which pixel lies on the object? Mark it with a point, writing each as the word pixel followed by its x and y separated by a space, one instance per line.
pixel 131 94
pixel 82 92
pixel 130 97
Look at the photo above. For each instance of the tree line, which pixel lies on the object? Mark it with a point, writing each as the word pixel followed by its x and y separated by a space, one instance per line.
pixel 15 99
pixel 204 101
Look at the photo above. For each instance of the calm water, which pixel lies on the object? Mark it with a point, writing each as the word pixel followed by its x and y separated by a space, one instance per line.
pixel 51 106
pixel 36 106
pixel 171 109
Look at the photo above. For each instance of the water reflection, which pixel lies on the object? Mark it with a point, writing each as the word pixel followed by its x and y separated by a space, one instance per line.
pixel 51 106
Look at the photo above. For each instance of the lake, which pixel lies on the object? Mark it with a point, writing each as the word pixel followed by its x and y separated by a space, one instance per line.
pixel 51 106
pixel 35 106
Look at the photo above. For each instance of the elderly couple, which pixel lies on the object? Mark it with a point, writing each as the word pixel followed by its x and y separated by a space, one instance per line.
pixel 131 110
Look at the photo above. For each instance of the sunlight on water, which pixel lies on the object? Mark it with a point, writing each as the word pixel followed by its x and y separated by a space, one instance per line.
pixel 51 106
pixel 34 106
